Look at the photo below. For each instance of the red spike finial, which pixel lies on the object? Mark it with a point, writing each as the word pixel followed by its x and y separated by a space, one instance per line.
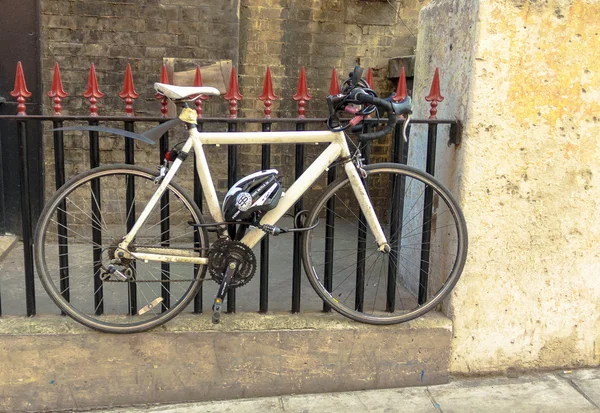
pixel 128 93
pixel 334 86
pixel 302 95
pixel 267 94
pixel 233 94
pixel 164 78
pixel 198 101
pixel 20 91
pixel 92 92
pixel 401 92
pixel 370 77
pixel 435 95
pixel 56 91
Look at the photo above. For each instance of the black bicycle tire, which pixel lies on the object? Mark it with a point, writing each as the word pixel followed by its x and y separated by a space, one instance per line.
pixel 452 278
pixel 47 281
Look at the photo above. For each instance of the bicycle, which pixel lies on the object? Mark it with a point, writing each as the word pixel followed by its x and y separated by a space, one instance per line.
pixel 148 261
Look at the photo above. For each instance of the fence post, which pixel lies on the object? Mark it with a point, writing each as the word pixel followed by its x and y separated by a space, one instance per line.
pixel 267 96
pixel 233 96
pixel 434 97
pixel 198 189
pixel 334 89
pixel 57 93
pixel 301 97
pixel 20 92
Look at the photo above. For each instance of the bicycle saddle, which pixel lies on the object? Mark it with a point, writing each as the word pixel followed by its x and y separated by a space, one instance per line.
pixel 185 92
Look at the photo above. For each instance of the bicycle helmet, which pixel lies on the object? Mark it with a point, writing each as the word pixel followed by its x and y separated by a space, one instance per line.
pixel 252 196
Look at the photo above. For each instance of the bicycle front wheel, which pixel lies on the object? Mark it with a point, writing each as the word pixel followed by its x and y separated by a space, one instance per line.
pixel 424 228
pixel 79 232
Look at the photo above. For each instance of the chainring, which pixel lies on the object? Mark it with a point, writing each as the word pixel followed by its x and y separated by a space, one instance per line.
pixel 223 250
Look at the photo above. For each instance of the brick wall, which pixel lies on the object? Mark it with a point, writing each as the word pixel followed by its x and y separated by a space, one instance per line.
pixel 320 35
pixel 283 34
pixel 111 34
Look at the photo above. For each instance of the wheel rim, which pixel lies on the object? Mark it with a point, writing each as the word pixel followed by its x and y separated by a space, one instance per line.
pixel 104 203
pixel 357 285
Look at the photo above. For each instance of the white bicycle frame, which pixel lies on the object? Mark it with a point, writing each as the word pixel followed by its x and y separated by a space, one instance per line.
pixel 338 147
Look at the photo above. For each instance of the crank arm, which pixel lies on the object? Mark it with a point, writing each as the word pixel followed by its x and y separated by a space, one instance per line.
pixel 223 287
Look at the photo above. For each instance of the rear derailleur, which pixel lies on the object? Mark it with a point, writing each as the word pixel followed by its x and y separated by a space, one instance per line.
pixel 112 273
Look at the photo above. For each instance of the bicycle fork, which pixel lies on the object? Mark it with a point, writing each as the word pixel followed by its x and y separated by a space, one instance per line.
pixel 366 206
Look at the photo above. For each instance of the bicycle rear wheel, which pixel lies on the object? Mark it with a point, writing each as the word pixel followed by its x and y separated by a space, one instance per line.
pixel 79 231
pixel 424 227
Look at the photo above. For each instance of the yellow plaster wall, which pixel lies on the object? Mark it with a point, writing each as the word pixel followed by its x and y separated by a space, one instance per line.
pixel 523 77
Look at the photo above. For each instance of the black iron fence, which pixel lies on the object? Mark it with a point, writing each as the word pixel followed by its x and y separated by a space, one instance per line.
pixel 26 130
pixel 398 152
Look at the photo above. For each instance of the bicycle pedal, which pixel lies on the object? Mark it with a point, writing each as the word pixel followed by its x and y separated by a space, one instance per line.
pixel 216 317
pixel 150 306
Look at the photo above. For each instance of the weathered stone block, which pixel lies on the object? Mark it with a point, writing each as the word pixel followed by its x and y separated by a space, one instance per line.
pixel 67 366
pixel 515 73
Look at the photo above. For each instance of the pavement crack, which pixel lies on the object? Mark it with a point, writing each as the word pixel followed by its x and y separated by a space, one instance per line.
pixel 435 404
pixel 281 404
pixel 576 387
pixel 363 403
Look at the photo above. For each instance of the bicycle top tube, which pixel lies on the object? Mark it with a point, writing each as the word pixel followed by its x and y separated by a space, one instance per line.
pixel 247 138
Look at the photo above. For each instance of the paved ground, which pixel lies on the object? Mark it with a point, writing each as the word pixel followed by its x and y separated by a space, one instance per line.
pixel 563 391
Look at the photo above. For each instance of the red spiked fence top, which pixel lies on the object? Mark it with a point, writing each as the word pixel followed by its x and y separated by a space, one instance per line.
pixel 56 90
pixel 20 91
pixel 401 92
pixel 92 92
pixel 334 86
pixel 370 77
pixel 233 94
pixel 164 78
pixel 267 94
pixel 302 95
pixel 435 95
pixel 198 83
pixel 128 93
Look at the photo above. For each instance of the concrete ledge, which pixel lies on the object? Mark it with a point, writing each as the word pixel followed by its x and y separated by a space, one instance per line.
pixel 52 363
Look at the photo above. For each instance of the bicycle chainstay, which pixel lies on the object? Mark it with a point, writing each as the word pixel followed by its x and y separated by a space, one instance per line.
pixel 220 254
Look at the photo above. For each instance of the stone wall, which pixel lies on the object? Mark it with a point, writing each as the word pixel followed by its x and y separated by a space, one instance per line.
pixel 521 76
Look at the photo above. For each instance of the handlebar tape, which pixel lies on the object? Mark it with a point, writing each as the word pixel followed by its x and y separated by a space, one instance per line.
pixel 392 109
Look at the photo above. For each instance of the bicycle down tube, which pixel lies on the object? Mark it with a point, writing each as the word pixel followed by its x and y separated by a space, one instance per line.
pixel 337 148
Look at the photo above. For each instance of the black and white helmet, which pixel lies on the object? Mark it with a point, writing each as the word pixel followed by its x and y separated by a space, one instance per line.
pixel 256 193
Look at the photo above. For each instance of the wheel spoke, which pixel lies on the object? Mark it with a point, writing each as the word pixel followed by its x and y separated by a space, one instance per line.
pixel 404 265
pixel 68 266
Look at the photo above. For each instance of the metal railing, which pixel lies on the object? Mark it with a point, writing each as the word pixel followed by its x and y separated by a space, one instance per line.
pixel 398 152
